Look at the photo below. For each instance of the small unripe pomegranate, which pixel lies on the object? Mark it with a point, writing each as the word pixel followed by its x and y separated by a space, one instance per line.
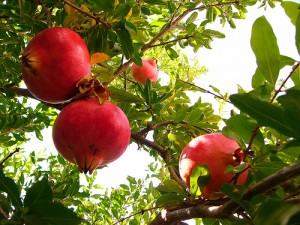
pixel 53 62
pixel 91 134
pixel 217 152
pixel 147 71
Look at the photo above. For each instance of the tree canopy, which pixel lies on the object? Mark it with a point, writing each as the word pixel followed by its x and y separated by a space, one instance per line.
pixel 43 188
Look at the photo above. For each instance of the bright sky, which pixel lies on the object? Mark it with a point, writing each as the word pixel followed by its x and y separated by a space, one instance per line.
pixel 230 62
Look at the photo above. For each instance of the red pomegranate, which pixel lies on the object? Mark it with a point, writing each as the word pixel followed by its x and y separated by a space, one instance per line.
pixel 217 152
pixel 147 71
pixel 53 62
pixel 91 134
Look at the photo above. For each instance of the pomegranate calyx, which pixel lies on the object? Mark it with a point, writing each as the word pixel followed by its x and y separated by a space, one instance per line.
pixel 89 86
pixel 238 156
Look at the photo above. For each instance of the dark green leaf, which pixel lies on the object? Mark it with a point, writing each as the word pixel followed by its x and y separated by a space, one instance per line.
pixel 121 95
pixel 125 41
pixel 38 191
pixel 264 46
pixel 8 186
pixel 121 11
pixel 240 127
pixel 263 112
pixel 169 199
pixel 291 105
pixel 274 212
pixel 232 193
pixel 199 178
pixel 106 5
pixel 168 186
pixel 51 213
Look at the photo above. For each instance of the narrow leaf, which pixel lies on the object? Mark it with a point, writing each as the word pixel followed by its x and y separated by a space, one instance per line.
pixel 126 42
pixel 265 48
pixel 121 95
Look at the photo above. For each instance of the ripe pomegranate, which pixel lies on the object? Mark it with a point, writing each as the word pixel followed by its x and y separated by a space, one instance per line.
pixel 91 134
pixel 146 71
pixel 217 152
pixel 53 62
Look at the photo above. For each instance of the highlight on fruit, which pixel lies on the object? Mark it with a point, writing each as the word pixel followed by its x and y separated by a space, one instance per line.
pixel 147 71
pixel 91 134
pixel 216 152
pixel 53 62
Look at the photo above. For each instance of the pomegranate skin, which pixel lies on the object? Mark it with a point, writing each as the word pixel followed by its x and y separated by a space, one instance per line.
pixel 217 152
pixel 147 71
pixel 91 134
pixel 53 62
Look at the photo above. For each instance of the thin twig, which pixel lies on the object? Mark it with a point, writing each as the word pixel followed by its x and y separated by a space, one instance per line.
pixel 256 129
pixel 163 153
pixel 206 91
pixel 7 157
pixel 98 20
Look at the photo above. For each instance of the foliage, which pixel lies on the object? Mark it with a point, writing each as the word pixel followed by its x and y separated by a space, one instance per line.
pixel 42 188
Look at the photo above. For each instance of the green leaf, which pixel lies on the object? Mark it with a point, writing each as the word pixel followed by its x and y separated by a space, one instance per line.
pixel 121 11
pixel 169 199
pixel 199 178
pixel 231 192
pixel 265 48
pixel 273 212
pixel 291 105
pixel 169 186
pixel 106 5
pixel 121 95
pixel 38 191
pixel 291 9
pixel 240 127
pixel 263 112
pixel 125 41
pixel 8 186
pixel 298 32
pixel 171 52
pixel 51 213
pixel 192 17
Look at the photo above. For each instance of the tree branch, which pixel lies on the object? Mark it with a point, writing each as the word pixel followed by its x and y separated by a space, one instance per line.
pixel 227 209
pixel 7 157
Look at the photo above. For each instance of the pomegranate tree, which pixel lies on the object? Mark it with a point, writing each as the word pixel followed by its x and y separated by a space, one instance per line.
pixel 91 134
pixel 147 71
pixel 53 62
pixel 217 152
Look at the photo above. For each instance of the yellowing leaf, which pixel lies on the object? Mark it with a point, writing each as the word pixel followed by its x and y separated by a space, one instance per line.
pixel 84 8
pixel 129 14
pixel 70 10
pixel 98 57
pixel 116 3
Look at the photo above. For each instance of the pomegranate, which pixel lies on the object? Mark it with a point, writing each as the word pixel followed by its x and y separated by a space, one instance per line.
pixel 53 62
pixel 91 134
pixel 146 71
pixel 217 152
